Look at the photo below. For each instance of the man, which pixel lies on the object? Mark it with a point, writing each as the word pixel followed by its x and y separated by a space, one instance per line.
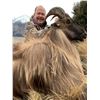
pixel 38 17
pixel 37 22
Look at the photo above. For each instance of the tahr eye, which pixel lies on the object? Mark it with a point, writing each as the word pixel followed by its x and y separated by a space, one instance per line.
pixel 68 21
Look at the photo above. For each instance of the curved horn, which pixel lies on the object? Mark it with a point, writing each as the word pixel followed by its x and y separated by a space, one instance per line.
pixel 56 11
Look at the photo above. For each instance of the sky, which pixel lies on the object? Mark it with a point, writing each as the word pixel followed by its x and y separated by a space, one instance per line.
pixel 26 7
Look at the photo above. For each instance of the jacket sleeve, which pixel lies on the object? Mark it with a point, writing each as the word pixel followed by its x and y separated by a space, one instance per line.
pixel 30 30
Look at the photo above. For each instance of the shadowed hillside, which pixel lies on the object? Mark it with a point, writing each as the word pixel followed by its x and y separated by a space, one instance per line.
pixel 19 25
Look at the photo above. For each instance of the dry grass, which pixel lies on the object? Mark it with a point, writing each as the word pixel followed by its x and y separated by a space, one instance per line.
pixel 82 49
pixel 18 39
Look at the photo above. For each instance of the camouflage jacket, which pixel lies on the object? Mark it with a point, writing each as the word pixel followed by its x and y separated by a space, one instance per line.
pixel 32 30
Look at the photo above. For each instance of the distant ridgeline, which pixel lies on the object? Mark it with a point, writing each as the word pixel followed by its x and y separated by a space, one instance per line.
pixel 19 26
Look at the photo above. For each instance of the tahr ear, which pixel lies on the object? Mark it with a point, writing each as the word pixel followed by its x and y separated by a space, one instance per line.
pixel 55 25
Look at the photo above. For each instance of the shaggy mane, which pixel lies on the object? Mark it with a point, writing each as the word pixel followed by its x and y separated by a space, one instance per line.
pixel 48 65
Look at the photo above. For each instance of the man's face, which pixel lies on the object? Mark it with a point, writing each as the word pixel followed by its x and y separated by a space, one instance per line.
pixel 39 16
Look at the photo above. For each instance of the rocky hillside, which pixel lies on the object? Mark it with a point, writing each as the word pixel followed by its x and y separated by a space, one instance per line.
pixel 19 25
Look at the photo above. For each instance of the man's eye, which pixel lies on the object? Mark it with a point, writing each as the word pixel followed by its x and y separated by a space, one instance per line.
pixel 42 14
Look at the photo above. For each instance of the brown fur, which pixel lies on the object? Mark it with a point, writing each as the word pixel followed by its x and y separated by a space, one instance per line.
pixel 48 65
